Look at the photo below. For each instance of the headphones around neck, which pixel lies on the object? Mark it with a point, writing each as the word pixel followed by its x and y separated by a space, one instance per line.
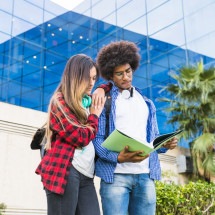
pixel 126 94
pixel 86 101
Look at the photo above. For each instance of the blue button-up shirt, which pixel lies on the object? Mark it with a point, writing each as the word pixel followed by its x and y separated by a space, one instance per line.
pixel 107 161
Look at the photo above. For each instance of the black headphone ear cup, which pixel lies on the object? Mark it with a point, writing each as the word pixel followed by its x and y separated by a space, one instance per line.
pixel 86 101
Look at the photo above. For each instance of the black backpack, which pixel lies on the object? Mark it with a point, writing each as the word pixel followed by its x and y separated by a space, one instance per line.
pixel 38 137
pixel 39 140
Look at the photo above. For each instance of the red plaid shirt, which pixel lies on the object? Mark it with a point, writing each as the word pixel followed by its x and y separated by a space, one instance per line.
pixel 107 87
pixel 55 165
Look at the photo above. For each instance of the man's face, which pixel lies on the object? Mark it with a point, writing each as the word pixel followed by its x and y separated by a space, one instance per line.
pixel 122 76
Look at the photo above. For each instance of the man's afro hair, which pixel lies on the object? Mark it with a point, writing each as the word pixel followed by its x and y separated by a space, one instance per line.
pixel 117 54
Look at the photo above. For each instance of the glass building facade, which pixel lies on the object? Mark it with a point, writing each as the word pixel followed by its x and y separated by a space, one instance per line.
pixel 38 36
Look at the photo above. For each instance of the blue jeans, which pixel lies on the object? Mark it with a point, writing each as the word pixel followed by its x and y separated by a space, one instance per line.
pixel 132 194
pixel 79 198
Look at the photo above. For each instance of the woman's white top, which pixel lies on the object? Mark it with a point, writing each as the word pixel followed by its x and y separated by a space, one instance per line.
pixel 83 160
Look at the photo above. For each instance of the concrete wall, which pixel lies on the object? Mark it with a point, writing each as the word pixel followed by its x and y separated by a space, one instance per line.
pixel 20 187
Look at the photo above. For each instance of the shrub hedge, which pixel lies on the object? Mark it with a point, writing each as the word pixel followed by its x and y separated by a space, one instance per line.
pixel 2 208
pixel 194 198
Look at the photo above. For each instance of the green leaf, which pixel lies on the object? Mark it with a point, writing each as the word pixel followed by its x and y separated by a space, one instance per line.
pixel 204 143
pixel 209 163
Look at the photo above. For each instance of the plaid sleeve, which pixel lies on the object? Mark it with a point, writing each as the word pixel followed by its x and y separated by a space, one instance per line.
pixel 77 136
pixel 107 87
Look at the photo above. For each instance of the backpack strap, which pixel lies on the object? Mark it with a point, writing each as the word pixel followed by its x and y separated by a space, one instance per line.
pixel 107 113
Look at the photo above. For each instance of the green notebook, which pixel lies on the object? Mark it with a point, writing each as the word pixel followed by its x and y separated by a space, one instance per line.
pixel 117 141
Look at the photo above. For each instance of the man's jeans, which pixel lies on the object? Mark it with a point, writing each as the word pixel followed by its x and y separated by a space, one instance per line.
pixel 132 194
pixel 79 198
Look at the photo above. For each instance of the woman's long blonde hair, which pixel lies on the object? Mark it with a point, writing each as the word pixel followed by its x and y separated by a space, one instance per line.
pixel 74 82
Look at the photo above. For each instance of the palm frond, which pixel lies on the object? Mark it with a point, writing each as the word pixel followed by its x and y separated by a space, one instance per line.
pixel 208 74
pixel 164 99
pixel 204 143
pixel 209 163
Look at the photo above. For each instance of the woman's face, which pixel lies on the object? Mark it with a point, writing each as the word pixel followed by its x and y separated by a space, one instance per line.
pixel 93 76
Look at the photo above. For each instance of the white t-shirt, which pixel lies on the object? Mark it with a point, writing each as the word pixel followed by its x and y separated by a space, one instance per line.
pixel 131 119
pixel 83 159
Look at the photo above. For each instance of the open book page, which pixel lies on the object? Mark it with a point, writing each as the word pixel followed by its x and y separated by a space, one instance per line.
pixel 160 140
pixel 117 141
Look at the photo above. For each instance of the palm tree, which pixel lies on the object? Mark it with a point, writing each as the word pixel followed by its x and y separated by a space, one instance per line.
pixel 191 104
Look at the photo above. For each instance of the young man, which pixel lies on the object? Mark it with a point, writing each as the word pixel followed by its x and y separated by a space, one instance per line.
pixel 127 179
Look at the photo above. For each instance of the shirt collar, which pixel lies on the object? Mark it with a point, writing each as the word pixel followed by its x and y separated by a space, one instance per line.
pixel 115 89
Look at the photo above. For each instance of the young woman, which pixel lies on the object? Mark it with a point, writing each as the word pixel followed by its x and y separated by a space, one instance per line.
pixel 67 169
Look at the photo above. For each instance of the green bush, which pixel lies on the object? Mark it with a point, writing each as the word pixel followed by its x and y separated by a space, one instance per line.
pixel 194 198
pixel 2 208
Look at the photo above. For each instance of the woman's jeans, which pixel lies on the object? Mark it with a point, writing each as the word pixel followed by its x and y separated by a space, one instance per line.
pixel 132 194
pixel 79 198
